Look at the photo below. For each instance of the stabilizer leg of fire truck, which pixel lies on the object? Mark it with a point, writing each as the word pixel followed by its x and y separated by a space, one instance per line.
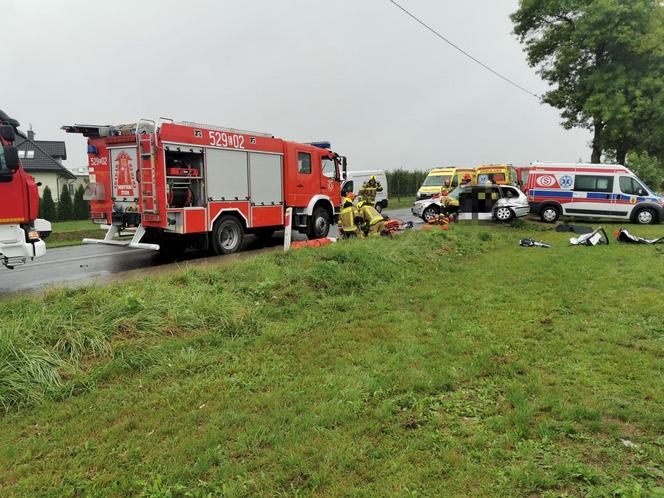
pixel 134 243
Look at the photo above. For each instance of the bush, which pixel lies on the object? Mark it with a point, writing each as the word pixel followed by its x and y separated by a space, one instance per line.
pixel 47 206
pixel 65 206
pixel 81 206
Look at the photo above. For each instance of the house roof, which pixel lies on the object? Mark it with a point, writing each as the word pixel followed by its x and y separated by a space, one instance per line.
pixel 46 153
pixel 53 148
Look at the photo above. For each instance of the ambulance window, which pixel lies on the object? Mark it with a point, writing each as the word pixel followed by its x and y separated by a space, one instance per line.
pixel 304 163
pixel 592 183
pixel 630 186
pixel 329 169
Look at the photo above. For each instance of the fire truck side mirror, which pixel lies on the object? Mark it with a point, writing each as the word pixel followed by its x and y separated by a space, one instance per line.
pixel 344 169
pixel 11 158
pixel 7 132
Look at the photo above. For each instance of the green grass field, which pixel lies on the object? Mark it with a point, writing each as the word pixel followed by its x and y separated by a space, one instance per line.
pixel 71 233
pixel 433 364
pixel 403 202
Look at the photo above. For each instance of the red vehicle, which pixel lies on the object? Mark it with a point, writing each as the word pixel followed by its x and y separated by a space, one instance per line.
pixel 522 173
pixel 186 184
pixel 19 204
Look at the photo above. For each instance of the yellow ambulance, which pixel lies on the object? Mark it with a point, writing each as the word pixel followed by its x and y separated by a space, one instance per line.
pixel 440 177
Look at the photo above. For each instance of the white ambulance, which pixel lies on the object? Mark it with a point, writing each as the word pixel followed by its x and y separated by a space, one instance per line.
pixel 591 191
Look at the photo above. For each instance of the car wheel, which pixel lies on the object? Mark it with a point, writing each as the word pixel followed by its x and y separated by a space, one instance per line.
pixel 550 214
pixel 430 214
pixel 645 217
pixel 227 236
pixel 504 214
pixel 319 224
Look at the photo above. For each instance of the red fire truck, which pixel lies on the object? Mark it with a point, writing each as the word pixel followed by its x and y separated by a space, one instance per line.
pixel 19 204
pixel 184 183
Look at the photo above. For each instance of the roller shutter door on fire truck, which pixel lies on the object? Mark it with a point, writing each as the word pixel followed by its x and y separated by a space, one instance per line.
pixel 247 176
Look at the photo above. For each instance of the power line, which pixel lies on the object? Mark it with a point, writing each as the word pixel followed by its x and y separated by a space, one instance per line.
pixel 505 78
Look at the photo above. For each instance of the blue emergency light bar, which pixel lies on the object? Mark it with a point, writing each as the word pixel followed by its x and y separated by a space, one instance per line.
pixel 321 145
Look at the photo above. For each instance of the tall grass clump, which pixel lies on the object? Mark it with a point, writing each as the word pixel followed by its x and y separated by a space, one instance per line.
pixel 49 343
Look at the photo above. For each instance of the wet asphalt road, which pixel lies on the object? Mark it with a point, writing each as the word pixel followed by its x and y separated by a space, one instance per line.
pixel 100 263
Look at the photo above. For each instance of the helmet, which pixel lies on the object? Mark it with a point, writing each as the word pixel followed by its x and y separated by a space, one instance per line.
pixel 466 176
pixel 350 195
pixel 372 177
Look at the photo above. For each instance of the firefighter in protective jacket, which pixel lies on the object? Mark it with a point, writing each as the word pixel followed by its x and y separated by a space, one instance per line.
pixel 369 189
pixel 347 217
pixel 373 221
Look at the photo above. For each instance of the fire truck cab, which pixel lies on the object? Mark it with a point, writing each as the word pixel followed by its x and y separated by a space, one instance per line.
pixel 19 204
pixel 186 183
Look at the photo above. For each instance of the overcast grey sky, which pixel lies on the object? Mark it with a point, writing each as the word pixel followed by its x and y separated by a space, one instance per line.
pixel 359 73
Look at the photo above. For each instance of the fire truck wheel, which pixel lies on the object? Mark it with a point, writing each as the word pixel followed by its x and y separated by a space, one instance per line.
pixel 319 224
pixel 227 235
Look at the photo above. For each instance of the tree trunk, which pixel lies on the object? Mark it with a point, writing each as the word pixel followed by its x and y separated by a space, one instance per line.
pixel 621 154
pixel 597 144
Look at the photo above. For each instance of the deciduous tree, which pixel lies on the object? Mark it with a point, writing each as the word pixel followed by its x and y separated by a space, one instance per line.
pixel 605 62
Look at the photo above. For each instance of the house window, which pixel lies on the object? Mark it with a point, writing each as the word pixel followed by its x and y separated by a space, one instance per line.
pixel 21 154
pixel 29 154
pixel 71 188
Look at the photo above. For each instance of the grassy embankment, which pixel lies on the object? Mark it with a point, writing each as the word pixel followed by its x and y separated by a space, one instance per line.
pixel 445 364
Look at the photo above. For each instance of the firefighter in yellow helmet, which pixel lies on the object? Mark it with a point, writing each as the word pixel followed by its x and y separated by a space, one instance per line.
pixel 373 222
pixel 347 225
pixel 369 190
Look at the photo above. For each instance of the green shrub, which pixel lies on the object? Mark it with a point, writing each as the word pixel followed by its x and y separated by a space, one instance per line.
pixel 65 206
pixel 47 206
